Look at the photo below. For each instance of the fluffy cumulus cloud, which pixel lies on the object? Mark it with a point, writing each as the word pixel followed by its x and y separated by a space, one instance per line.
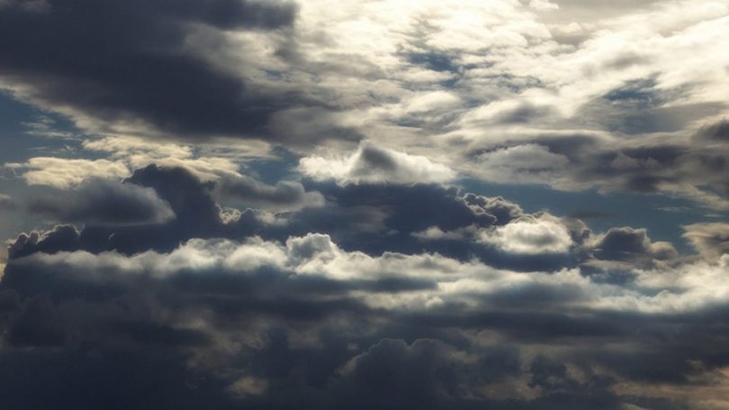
pixel 435 204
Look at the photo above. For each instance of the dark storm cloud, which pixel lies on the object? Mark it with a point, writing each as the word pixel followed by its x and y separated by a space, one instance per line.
pixel 103 202
pixel 120 62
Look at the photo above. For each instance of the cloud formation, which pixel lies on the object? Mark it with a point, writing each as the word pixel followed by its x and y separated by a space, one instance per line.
pixel 110 66
pixel 293 205
pixel 103 202
pixel 374 164
pixel 470 326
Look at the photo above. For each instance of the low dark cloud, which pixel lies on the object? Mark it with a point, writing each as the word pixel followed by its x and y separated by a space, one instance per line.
pixel 408 295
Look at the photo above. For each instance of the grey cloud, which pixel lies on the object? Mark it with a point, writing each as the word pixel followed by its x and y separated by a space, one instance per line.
pixel 715 132
pixel 522 114
pixel 691 167
pixel 711 240
pixel 285 194
pixel 60 238
pixel 502 210
pixel 350 354
pixel 103 202
pixel 629 244
pixel 118 63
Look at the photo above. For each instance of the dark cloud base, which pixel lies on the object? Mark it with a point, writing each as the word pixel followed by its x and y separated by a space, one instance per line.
pixel 125 317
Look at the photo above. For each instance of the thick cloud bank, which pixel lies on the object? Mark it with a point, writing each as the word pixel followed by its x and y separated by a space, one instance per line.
pixel 442 299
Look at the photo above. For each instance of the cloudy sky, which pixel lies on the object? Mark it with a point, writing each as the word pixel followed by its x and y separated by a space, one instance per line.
pixel 364 204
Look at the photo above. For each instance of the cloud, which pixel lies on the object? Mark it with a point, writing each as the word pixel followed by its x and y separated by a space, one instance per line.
pixel 218 274
pixel 711 240
pixel 65 173
pixel 7 202
pixel 530 236
pixel 373 164
pixel 239 319
pixel 522 163
pixel 283 195
pixel 60 238
pixel 103 202
pixel 629 244
pixel 144 97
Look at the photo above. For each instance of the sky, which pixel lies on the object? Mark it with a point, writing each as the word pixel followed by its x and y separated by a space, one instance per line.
pixel 364 204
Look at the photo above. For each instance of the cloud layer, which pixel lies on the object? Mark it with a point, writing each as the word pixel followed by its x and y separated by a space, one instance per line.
pixel 451 300
pixel 311 204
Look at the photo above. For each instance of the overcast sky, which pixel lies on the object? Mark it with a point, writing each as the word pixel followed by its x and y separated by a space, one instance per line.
pixel 364 204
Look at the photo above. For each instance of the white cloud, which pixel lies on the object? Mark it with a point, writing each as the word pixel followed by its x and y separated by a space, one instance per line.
pixel 66 173
pixel 529 235
pixel 371 163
